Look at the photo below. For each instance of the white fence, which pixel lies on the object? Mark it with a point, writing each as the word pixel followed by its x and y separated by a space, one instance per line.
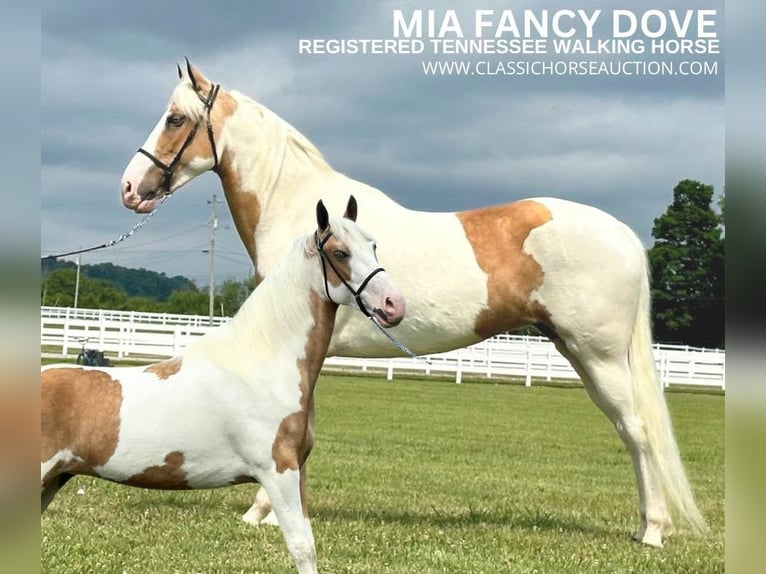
pixel 127 334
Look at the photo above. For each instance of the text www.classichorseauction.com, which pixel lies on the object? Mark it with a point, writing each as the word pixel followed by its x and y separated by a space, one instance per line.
pixel 545 42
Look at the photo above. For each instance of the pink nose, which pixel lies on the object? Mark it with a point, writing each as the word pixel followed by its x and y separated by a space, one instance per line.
pixel 129 198
pixel 394 308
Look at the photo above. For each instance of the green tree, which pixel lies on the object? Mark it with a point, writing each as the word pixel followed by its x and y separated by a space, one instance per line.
pixel 58 288
pixel 187 302
pixel 687 263
pixel 233 293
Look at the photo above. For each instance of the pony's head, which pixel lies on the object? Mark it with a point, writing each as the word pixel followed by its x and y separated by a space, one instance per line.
pixel 182 145
pixel 350 269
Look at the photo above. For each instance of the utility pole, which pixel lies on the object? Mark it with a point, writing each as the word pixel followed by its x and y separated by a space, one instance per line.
pixel 211 283
pixel 77 283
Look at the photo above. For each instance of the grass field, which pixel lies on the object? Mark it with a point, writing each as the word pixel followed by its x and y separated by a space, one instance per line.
pixel 419 477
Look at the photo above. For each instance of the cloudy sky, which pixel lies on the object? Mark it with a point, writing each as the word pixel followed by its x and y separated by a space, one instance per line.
pixel 433 143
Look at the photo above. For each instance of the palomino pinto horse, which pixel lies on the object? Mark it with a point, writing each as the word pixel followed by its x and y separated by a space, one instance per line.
pixel 574 271
pixel 238 405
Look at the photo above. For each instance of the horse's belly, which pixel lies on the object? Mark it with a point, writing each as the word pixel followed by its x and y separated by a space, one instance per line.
pixel 204 432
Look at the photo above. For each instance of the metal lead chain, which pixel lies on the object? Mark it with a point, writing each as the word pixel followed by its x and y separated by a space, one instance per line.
pixel 401 346
pixel 120 239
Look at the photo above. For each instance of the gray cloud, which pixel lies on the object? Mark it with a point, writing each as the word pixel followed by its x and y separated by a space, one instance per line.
pixel 431 143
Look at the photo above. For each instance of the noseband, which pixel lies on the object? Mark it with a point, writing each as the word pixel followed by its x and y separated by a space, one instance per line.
pixel 167 169
pixel 357 293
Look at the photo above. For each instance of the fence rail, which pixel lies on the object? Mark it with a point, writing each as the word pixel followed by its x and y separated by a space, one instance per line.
pixel 127 334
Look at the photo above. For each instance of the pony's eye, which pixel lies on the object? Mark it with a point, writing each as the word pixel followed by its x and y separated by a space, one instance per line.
pixel 339 255
pixel 175 120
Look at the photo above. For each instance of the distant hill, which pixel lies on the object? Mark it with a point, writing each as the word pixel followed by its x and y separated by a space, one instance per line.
pixel 133 282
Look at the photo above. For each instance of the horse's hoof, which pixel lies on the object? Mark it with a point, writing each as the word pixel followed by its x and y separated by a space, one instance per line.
pixel 651 536
pixel 252 518
pixel 270 520
pixel 256 518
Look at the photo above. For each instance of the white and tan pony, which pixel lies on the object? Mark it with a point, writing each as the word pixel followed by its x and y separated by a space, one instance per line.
pixel 238 405
pixel 572 270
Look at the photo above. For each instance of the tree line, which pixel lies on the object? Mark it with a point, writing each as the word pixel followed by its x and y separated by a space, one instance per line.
pixel 108 286
pixel 686 262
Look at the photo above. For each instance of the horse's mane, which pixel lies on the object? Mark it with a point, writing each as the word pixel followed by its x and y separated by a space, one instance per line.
pixel 278 135
pixel 266 322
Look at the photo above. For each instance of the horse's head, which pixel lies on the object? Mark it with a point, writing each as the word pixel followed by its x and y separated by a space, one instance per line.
pixel 183 144
pixel 350 268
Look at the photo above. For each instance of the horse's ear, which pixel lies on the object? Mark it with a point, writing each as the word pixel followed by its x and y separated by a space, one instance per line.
pixel 323 219
pixel 180 73
pixel 199 82
pixel 351 209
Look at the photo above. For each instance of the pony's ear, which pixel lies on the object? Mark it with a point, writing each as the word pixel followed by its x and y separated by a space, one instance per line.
pixel 323 219
pixel 180 73
pixel 350 209
pixel 199 82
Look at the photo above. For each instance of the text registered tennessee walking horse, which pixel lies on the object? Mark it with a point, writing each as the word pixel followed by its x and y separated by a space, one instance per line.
pixel 574 271
pixel 238 405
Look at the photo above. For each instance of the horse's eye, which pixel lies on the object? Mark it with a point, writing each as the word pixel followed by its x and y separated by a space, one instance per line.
pixel 339 255
pixel 175 120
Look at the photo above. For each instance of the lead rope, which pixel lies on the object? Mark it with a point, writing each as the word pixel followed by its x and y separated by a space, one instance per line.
pixel 401 346
pixel 120 239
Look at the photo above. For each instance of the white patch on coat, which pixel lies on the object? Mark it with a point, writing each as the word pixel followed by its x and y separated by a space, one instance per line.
pixel 139 164
pixel 592 273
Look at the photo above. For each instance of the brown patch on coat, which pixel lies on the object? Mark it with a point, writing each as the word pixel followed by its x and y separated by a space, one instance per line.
pixel 165 369
pixel 497 236
pixel 295 436
pixel 243 206
pixel 167 476
pixel 173 137
pixel 79 411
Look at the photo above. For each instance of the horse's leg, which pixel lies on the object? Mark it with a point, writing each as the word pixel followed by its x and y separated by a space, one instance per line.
pixel 284 491
pixel 260 512
pixel 608 382
pixel 49 488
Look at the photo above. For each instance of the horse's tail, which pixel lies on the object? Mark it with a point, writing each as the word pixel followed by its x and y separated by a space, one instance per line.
pixel 650 403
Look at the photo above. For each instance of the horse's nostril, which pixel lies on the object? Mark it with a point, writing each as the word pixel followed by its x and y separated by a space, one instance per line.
pixel 127 187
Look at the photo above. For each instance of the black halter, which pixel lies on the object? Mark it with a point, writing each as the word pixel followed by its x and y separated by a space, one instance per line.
pixel 167 169
pixel 357 293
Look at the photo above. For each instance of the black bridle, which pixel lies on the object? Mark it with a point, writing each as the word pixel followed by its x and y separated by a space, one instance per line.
pixel 357 293
pixel 167 169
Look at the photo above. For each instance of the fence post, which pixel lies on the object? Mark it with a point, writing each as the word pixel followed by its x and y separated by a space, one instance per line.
pixel 390 372
pixel 120 337
pixel 459 369
pixel 65 344
pixel 101 329
pixel 548 365
pixel 528 380
pixel 489 357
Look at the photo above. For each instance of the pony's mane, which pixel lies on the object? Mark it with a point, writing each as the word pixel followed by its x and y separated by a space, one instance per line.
pixel 268 317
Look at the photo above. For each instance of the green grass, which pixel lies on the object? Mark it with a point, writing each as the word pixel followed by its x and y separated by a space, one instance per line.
pixel 419 477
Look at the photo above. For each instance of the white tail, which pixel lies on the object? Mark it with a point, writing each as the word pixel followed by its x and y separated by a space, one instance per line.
pixel 650 402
